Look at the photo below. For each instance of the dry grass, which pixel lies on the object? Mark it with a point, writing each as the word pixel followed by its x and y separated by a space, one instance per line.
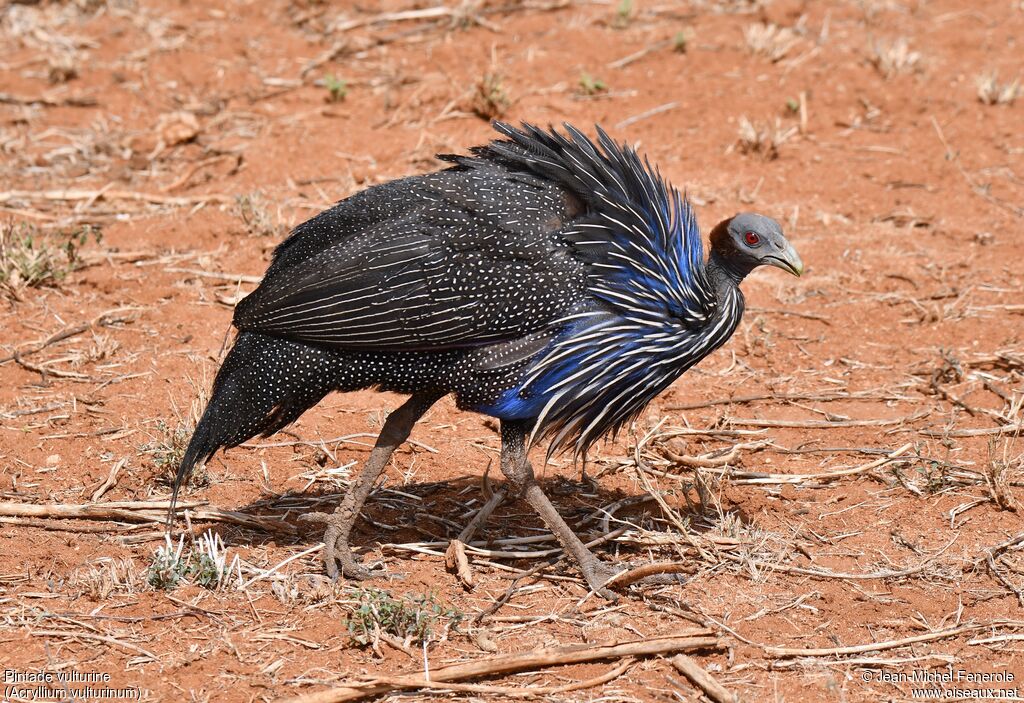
pixel 770 40
pixel 105 577
pixel 204 564
pixel 490 99
pixel 167 446
pixel 1004 468
pixel 763 138
pixel 992 92
pixel 894 57
pixel 260 217
pixel 30 257
pixel 62 68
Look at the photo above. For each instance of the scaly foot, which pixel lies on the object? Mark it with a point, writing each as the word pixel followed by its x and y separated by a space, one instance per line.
pixel 337 556
pixel 598 575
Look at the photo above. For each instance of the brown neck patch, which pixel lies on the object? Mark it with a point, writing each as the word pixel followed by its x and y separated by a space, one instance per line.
pixel 720 240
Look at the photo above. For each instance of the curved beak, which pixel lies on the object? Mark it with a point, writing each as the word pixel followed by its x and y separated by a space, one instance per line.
pixel 787 260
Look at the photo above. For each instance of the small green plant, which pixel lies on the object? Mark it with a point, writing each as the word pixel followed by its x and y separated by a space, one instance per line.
pixel 792 106
pixel 590 85
pixel 934 477
pixel 32 258
pixel 205 564
pixel 623 14
pixel 412 619
pixel 681 41
pixel 167 449
pixel 490 99
pixel 337 88
pixel 168 568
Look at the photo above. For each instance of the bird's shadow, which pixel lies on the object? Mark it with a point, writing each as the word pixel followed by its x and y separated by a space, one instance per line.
pixel 437 511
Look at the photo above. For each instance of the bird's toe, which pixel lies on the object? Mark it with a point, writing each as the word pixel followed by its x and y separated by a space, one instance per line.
pixel 663 580
pixel 597 575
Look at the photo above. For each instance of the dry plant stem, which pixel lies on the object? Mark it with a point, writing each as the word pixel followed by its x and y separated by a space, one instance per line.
pixel 496 499
pixel 1003 580
pixel 55 373
pixel 424 14
pixel 58 337
pixel 141 511
pixel 109 482
pixel 74 101
pixel 978 190
pixel 880 646
pixel 90 511
pixel 195 168
pixel 993 553
pixel 702 679
pixel 646 114
pixel 637 55
pixel 73 527
pixel 791 313
pixel 818 424
pixel 95 638
pixel 113 194
pixel 230 277
pixel 671 514
pixel 997 640
pixel 525 661
pixel 455 556
pixel 455 559
pixel 514 692
pixel 1005 429
pixel 817 397
pixel 749 477
pixel 704 462
pixel 825 574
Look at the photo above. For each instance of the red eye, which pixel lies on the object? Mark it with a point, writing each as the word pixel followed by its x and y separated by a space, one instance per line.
pixel 752 238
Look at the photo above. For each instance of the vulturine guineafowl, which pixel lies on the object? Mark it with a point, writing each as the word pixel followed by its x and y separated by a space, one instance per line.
pixel 553 283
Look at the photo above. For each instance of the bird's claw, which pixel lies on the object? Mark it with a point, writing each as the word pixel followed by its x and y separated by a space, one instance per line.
pixel 597 575
pixel 337 555
pixel 602 577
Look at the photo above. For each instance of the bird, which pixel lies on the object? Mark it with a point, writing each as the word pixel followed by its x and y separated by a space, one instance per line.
pixel 551 281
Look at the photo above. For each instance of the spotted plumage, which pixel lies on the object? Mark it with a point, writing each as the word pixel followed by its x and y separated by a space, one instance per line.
pixel 549 281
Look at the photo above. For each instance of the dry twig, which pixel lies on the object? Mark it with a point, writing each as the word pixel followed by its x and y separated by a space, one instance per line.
pixel 702 679
pixel 881 646
pixel 510 663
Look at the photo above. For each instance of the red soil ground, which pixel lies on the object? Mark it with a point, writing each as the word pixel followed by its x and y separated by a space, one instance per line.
pixel 192 135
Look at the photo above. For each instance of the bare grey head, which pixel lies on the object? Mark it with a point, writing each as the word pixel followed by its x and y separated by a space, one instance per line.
pixel 748 240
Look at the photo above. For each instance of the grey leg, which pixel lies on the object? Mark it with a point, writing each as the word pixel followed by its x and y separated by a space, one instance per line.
pixel 516 467
pixel 339 525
